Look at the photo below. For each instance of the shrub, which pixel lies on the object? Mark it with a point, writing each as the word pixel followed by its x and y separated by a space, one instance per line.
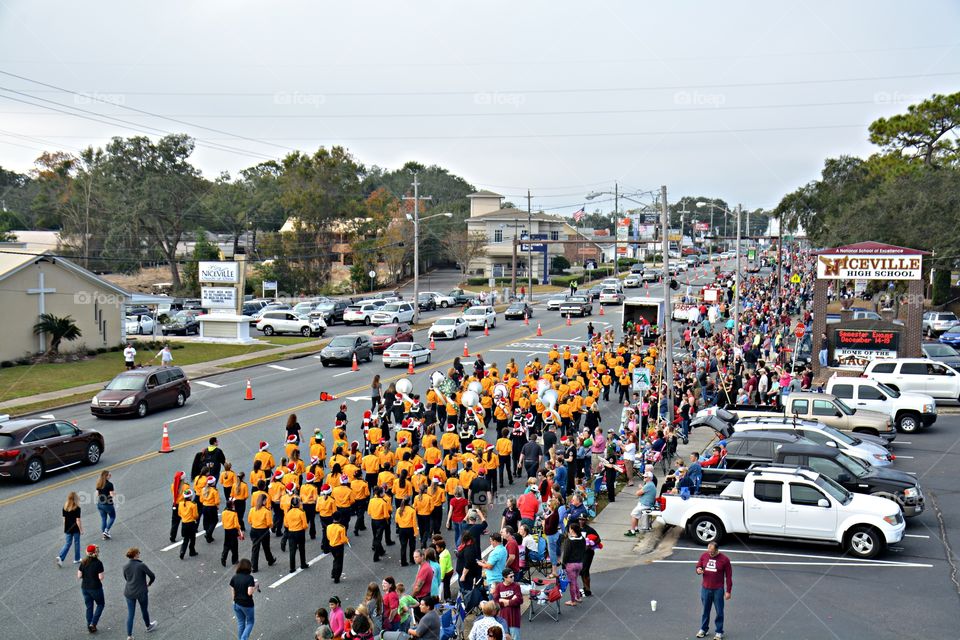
pixel 6 364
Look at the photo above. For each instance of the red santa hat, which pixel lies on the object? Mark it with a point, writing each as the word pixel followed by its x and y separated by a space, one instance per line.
pixel 277 474
pixel 469 447
pixel 325 489
pixel 451 427
pixel 419 468
pixel 290 487
pixel 354 445
pixel 482 471
pixel 310 477
pixel 481 433
pixel 436 480
pixel 291 439
pixel 314 460
pixel 366 414
pixel 291 466
pixel 211 480
pixel 489 447
pixel 264 445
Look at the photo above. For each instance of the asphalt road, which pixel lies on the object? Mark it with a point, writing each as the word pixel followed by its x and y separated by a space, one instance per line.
pixel 799 591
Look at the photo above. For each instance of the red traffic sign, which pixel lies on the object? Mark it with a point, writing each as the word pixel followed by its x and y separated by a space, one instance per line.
pixel 799 330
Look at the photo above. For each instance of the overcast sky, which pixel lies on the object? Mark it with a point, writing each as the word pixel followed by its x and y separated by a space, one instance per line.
pixel 741 100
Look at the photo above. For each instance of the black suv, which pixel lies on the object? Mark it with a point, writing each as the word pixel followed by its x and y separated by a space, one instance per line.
pixel 748 448
pixel 330 310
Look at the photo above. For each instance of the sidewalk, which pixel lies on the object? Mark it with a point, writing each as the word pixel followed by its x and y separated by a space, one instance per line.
pixel 620 551
pixel 193 371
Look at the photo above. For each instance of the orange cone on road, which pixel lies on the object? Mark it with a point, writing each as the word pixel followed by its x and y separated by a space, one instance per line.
pixel 539 330
pixel 249 394
pixel 601 309
pixel 355 366
pixel 326 397
pixel 165 440
pixel 486 329
pixel 526 320
pixel 466 350
pixel 410 370
pixel 568 320
pixel 433 345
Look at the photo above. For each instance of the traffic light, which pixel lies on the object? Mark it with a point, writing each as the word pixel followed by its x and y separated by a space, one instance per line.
pixel 674 284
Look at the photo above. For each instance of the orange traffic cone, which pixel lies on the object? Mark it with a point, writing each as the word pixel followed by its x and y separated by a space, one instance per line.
pixel 433 345
pixel 539 330
pixel 326 397
pixel 526 320
pixel 486 329
pixel 249 394
pixel 466 351
pixel 568 320
pixel 165 440
pixel 601 309
pixel 410 370
pixel 355 366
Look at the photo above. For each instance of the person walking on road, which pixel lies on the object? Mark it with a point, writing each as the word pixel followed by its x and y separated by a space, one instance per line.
pixel 90 575
pixel 176 489
pixel 105 496
pixel 295 523
pixel 231 533
pixel 130 356
pixel 72 529
pixel 717 586
pixel 376 396
pixel 261 521
pixel 189 521
pixel 337 539
pixel 210 499
pixel 138 579
pixel 244 585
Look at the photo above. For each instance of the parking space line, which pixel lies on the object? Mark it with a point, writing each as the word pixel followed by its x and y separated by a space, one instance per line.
pixel 310 563
pixel 179 542
pixel 865 563
pixel 279 368
pixel 899 457
pixel 915 535
pixel 793 555
pixel 192 415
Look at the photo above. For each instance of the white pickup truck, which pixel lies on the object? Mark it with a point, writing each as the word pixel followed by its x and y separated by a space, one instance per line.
pixel 909 410
pixel 793 503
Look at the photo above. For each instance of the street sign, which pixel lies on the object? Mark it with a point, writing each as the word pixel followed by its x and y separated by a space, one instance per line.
pixel 795 278
pixel 372 274
pixel 641 379
pixel 799 330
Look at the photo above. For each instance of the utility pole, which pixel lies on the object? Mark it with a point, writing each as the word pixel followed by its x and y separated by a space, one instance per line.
pixel 416 245
pixel 667 305
pixel 529 249
pixel 780 259
pixel 736 286
pixel 513 266
pixel 616 229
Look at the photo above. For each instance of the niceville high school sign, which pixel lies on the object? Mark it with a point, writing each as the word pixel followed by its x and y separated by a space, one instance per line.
pixel 870 261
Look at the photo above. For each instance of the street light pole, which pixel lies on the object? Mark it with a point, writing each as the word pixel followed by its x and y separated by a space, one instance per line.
pixel 416 245
pixel 667 305
pixel 616 229
pixel 736 286
pixel 529 249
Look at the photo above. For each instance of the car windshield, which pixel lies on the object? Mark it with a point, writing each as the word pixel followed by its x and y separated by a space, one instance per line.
pixel 609 291
pixel 342 341
pixel 558 296
pixel 954 329
pixel 132 319
pixel 325 306
pixel 126 383
pixel 577 300
pixel 389 308
pixel 834 489
pixel 838 435
pixel 384 331
pixel 304 317
pixel 182 316
pixel 935 349
pixel 847 410
pixel 516 306
pixel 444 321
pixel 857 468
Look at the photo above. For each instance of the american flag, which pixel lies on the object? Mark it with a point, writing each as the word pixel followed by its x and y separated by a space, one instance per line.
pixel 578 215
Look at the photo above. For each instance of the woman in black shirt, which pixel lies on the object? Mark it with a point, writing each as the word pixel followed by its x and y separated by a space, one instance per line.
pixel 244 585
pixel 108 514
pixel 72 529
pixel 293 428
pixel 467 555
pixel 90 575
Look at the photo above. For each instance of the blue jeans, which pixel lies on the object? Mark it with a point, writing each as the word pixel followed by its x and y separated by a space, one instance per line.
pixel 108 515
pixel 93 597
pixel 132 610
pixel 74 539
pixel 711 598
pixel 822 357
pixel 457 532
pixel 244 621
pixel 515 633
pixel 553 545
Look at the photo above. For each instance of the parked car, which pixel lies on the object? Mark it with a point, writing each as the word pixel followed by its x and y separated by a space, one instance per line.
pixel 442 300
pixel 400 353
pixel 387 334
pixel 426 302
pixel 916 374
pixel 360 313
pixel 305 307
pixel 651 275
pixel 576 305
pixel 555 300
pixel 139 324
pixel 32 447
pixel 909 410
pixel 273 322
pixel 479 316
pixel 330 310
pixel 693 260
pixel 449 328
pixel 394 312
pixel 519 311
pixel 609 295
pixel 941 353
pixel 874 454
pixel 819 510
pixel 139 391
pixel 951 336
pixel 461 297
pixel 593 293
pixel 273 306
pixel 637 268
pixel 182 323
pixel 342 350
pixel 632 281
pixel 936 322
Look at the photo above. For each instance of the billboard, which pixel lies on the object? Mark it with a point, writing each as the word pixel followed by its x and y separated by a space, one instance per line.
pixel 869 267
pixel 646 231
pixel 219 272
pixel 218 297
pixel 855 348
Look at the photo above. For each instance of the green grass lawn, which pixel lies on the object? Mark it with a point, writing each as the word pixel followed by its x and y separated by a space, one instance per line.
pixel 276 357
pixel 286 340
pixel 26 380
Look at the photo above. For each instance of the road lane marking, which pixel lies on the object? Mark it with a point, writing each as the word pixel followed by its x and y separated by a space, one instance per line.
pixel 179 542
pixel 204 438
pixel 212 385
pixel 865 563
pixel 318 357
pixel 192 415
pixel 279 368
pixel 915 535
pixel 310 563
pixel 899 457
pixel 337 375
pixel 791 555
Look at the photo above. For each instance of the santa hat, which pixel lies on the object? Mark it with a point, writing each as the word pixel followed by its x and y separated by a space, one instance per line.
pixel 310 477
pixel 291 466
pixel 517 410
pixel 325 489
pixel 354 445
pixel 469 447
pixel 564 439
pixel 211 480
pixel 343 405
pixel 482 471
pixel 264 445
pixel 384 441
pixel 489 447
pixel 436 480
pixel 366 414
pixel 419 468
pixel 188 494
pixel 277 474
pixel 451 427
pixel 344 479
pixel 291 439
pixel 554 346
pixel 91 549
pixel 314 460
pixel 528 417
pixel 481 432
pixel 289 487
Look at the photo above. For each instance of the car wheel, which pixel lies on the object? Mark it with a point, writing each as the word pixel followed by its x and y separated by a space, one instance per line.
pixel 181 399
pixel 93 454
pixel 864 542
pixel 444 304
pixel 366 321
pixel 325 363
pixel 268 330
pixel 34 470
pixel 305 332
pixel 706 529
pixel 396 321
pixel 370 356
pixel 908 423
pixel 141 409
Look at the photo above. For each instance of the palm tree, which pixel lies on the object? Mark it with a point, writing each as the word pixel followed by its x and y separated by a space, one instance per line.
pixel 58 328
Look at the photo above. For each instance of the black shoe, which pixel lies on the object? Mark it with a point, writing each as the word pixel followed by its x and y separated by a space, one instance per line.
pixel 255 571
pixel 181 556
pixel 390 543
pixel 173 539
pixel 588 594
pixel 92 628
pixel 193 553
pixel 336 581
pixel 376 558
pixel 223 561
pixel 404 564
pixel 270 563
pixel 283 549
pixel 305 567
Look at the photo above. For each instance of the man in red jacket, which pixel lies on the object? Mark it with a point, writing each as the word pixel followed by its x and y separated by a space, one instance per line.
pixel 717 572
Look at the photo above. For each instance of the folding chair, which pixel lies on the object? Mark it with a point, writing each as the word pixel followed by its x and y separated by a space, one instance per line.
pixel 531 561
pixel 545 598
